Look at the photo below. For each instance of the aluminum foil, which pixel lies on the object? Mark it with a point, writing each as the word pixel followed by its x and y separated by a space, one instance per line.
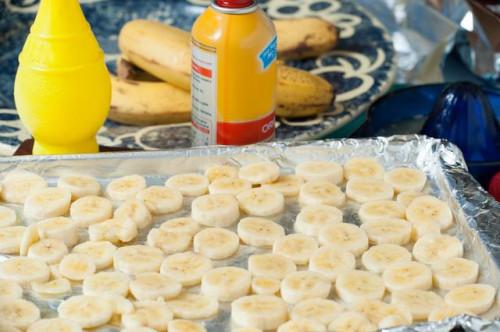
pixel 476 213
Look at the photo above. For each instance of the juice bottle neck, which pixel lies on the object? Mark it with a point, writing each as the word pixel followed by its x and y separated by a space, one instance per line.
pixel 234 6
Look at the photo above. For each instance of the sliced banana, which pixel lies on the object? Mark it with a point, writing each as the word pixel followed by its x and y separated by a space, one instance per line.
pixel 120 304
pixel 24 270
pixel 302 285
pixel 363 168
pixel 320 171
pixel 368 190
pixel 378 258
pixel 388 231
pixel 259 232
pixel 216 243
pixel 30 236
pixel 312 218
pixel 216 172
pixel 161 200
pixel 344 236
pixel 4 327
pixel 193 306
pixel 330 261
pixel 243 329
pixel 476 298
pixel 429 209
pixel 18 313
pixel 301 325
pixel 261 202
pixel 180 325
pixel 77 267
pixel 217 210
pixel 351 321
pixel 169 242
pixel 8 217
pixel 446 312
pixel 319 192
pixel 152 314
pixel 181 225
pixel 53 288
pixel 87 311
pixel 60 228
pixel 377 210
pixel 54 272
pixel 106 283
pixel 10 239
pixel 113 230
pixel 320 310
pixel 391 321
pixel 18 185
pixel 79 185
pixel 419 302
pixel 354 286
pixel 265 286
pixel 376 311
pixel 406 197
pixel 46 203
pixel 297 247
pixel 226 283
pixel 187 268
pixel 260 173
pixel 265 312
pixel 422 228
pixel 137 259
pixel 51 251
pixel 288 185
pixel 406 179
pixel 189 184
pixel 407 275
pixel 10 289
pixel 101 252
pixel 137 329
pixel 454 272
pixel 136 211
pixel 271 266
pixel 126 187
pixel 229 186
pixel 54 325
pixel 152 286
pixel 90 210
pixel 433 248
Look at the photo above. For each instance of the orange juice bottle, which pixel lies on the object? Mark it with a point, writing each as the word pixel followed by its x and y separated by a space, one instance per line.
pixel 233 74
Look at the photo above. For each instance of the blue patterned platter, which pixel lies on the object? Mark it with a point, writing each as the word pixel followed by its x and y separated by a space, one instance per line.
pixel 361 68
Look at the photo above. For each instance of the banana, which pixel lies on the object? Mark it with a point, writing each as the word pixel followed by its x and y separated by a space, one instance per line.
pixel 406 179
pixel 24 270
pixel 433 248
pixel 377 311
pixel 46 203
pixel 378 258
pixel 152 314
pixel 10 289
pixel 59 228
pixel 216 210
pixel 297 247
pixel 180 325
pixel 226 283
pixel 152 286
pixel 330 261
pixel 271 266
pixel 79 185
pixel 420 229
pixel 106 283
pixel 326 171
pixel 169 242
pixel 388 231
pixel 454 272
pixel 363 168
pixel 54 325
pixel 137 259
pixel 30 236
pixel 312 218
pixel 231 186
pixel 10 239
pixel 77 267
pixel 344 236
pixel 265 312
pixel 101 252
pixel 377 210
pixel 217 172
pixel 261 202
pixel 446 312
pixel 187 268
pixel 193 306
pixel 137 329
pixel 87 311
pixel 476 298
pixel 407 275
pixel 51 251
pixel 8 217
pixel 301 325
pixel 429 209
pixel 181 225
pixel 54 272
pixel 113 230
pixel 136 211
pixel 259 232
pixel 356 285
pixel 368 190
pixel 351 321
pixel 18 185
pixel 391 321
pixel 119 304
pixel 319 310
pixel 189 184
pixel 288 185
pixel 18 313
pixel 243 329
pixel 216 243
pixel 265 286
pixel 90 210
pixel 260 173
pixel 52 288
pixel 160 199
pixel 126 187
pixel 8 328
pixel 302 285
pixel 406 197
pixel 320 192
pixel 419 302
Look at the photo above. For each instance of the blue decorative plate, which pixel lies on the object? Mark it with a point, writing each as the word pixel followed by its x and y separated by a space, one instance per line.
pixel 361 68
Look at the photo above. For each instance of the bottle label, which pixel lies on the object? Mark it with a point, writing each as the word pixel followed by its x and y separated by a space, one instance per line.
pixel 269 53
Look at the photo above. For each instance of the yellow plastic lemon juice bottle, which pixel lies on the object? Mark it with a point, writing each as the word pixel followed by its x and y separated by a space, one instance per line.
pixel 233 74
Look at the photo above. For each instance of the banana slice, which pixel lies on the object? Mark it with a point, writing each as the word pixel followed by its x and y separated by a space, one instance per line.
pixel 301 325
pixel 30 236
pixel 18 313
pixel 388 231
pixel 407 275
pixel 354 286
pixel 87 311
pixel 429 209
pixel 344 236
pixel 260 173
pixel 137 329
pixel 455 272
pixel 180 325
pixel 79 185
pixel 320 171
pixel 420 229
pixel 419 302
pixel 271 266
pixel 54 325
pixel 153 314
pixel 288 185
pixel 297 247
pixel 187 268
pixel 53 288
pixel 106 283
pixel 10 289
pixel 265 312
pixel 302 285
pixel 101 252
pixel 216 172
pixel 8 217
pixel 59 228
pixel 54 272
pixel 46 203
pixel 77 267
pixel 137 259
pixel 406 197
pixel 406 179
pixel 226 283
pixel 391 321
pixel 229 186
pixel 243 329
pixel 377 210
pixel 10 239
pixel 8 328
pixel 378 258
pixel 265 286
pixel 433 248
pixel 446 312
pixel 216 243
pixel 320 192
pixel 368 190
pixel 261 202
pixel 136 211
pixel 476 298
pixel 51 251
pixel 351 321
pixel 319 310
pixel 90 210
pixel 113 230
pixel 169 242
pixel 193 306
pixel 217 210
pixel 126 187
pixel 120 305
pixel 160 199
pixel 18 185
pixel 181 225
pixel 259 232
pixel 152 286
pixel 330 261
pixel 363 168
pixel 312 218
pixel 24 270
pixel 189 184
pixel 377 311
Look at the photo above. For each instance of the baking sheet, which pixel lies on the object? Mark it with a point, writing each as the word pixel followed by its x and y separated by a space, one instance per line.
pixel 476 214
